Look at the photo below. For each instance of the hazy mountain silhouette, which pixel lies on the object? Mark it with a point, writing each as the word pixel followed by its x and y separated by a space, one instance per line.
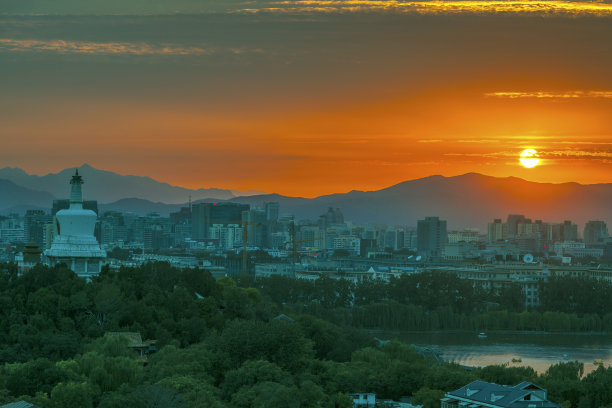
pixel 14 198
pixel 469 200
pixel 106 186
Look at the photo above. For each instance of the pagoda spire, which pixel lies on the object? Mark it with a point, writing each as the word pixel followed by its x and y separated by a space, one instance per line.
pixel 76 195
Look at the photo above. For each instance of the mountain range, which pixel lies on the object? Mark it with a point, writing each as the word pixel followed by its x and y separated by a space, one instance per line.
pixel 15 198
pixel 469 200
pixel 106 186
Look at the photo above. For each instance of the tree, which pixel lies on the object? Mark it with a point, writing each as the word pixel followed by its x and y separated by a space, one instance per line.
pixel 279 342
pixel 429 398
pixel 266 395
pixel 195 392
pixel 195 361
pixel 72 394
pixel 155 396
pixel 251 373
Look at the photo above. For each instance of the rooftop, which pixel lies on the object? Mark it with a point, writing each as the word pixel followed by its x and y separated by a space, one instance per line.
pixel 523 395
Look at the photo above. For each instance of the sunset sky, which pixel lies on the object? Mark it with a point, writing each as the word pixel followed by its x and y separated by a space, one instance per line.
pixel 307 97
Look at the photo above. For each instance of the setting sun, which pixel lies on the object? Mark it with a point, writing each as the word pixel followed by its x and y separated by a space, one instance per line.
pixel 529 158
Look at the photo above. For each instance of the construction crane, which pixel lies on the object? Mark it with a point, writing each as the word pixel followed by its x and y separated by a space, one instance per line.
pixel 294 242
pixel 245 238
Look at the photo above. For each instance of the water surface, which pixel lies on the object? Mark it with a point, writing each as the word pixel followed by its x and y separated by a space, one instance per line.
pixel 535 349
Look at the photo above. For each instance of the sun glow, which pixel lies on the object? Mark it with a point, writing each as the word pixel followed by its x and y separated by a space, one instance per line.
pixel 529 158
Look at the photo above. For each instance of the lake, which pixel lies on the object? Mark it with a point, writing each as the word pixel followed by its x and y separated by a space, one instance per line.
pixel 535 349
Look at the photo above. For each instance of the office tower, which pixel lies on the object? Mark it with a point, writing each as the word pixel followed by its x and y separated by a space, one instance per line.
pixel 431 236
pixel 272 211
pixel 595 232
pixel 34 225
pixel 204 215
pixel 513 221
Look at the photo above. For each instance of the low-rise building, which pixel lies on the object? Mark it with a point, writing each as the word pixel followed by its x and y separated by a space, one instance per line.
pixel 480 394
pixel 364 399
pixel 274 269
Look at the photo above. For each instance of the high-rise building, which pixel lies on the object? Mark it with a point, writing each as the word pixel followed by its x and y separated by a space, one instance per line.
pixel 411 238
pixel 311 237
pixel 257 227
pixel 513 223
pixel 227 235
pixel 497 231
pixel 544 229
pixel 394 238
pixel 467 235
pixel 204 215
pixel 566 231
pixel 272 211
pixel 34 224
pixel 595 233
pixel 11 229
pixel 331 217
pixel 75 244
pixel 570 231
pixel 183 216
pixel 431 236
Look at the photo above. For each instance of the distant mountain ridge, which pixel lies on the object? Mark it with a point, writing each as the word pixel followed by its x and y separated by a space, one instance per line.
pixel 14 198
pixel 106 186
pixel 468 200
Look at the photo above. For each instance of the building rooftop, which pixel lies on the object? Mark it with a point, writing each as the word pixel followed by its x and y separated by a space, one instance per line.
pixel 480 393
pixel 19 404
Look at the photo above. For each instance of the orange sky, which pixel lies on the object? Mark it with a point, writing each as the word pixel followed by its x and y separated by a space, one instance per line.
pixel 312 104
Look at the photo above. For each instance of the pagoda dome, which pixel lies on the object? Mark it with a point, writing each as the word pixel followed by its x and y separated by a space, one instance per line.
pixel 76 221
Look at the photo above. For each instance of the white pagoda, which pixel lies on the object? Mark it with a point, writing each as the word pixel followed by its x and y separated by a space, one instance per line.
pixel 75 245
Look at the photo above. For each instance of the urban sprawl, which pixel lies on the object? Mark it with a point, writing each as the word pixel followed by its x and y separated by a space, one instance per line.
pixel 230 239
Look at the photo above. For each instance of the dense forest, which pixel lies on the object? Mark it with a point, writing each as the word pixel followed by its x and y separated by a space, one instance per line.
pixel 220 343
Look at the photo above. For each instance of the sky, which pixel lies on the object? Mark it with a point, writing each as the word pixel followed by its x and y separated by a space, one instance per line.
pixel 307 97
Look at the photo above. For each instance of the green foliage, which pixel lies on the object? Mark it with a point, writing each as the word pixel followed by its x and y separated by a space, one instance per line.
pixel 277 341
pixel 427 397
pixel 72 394
pixel 502 374
pixel 563 382
pixel 220 346
pixel 266 395
pixel 39 375
pixel 251 373
pixel 195 392
pixel 576 295
pixel 197 361
pixel 330 341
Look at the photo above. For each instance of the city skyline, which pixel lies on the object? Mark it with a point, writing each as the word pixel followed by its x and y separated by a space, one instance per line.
pixel 308 98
